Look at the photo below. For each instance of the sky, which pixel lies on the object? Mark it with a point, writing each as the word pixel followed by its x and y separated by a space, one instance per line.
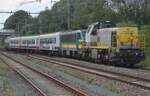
pixel 15 5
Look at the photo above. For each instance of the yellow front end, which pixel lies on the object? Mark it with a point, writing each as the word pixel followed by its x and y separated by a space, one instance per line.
pixel 127 37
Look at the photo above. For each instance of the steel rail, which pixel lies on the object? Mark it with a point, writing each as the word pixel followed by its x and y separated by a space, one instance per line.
pixel 41 93
pixel 97 72
pixel 97 69
pixel 144 69
pixel 66 86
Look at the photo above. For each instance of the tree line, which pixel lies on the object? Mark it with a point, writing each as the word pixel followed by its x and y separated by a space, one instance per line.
pixel 83 13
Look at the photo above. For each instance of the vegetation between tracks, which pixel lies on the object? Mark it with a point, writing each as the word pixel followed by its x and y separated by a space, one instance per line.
pixel 119 87
pixel 6 88
pixel 70 72
pixel 146 30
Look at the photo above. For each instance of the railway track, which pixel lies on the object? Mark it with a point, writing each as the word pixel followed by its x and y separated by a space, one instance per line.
pixel 76 91
pixel 30 82
pixel 145 69
pixel 129 79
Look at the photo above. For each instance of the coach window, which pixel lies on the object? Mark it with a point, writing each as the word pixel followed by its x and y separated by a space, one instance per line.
pixel 78 36
pixel 24 42
pixel 15 42
pixel 43 41
pixel 12 42
pixel 28 41
pixel 33 41
pixel 53 40
pixel 40 41
pixel 48 41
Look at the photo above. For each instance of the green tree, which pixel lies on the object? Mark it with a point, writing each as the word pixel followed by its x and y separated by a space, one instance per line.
pixel 137 11
pixel 84 12
pixel 18 21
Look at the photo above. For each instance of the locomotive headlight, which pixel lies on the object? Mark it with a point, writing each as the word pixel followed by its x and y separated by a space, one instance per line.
pixel 136 54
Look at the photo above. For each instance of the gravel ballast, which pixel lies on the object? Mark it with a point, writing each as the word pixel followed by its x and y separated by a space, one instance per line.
pixel 113 86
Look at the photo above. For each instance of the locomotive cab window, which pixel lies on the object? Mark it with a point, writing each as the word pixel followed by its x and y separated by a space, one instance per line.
pixel 94 32
pixel 114 40
pixel 78 36
pixel 106 24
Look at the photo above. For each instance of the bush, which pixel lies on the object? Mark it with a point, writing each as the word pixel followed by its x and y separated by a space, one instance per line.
pixel 146 30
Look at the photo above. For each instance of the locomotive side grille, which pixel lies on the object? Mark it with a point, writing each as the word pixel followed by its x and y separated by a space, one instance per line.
pixel 142 42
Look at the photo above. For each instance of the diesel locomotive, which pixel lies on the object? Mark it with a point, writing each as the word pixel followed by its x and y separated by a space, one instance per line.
pixel 103 42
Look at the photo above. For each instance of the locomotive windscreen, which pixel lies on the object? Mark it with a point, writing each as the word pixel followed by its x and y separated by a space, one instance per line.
pixel 106 24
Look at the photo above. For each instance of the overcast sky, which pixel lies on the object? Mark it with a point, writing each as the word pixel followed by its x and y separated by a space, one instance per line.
pixel 14 5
